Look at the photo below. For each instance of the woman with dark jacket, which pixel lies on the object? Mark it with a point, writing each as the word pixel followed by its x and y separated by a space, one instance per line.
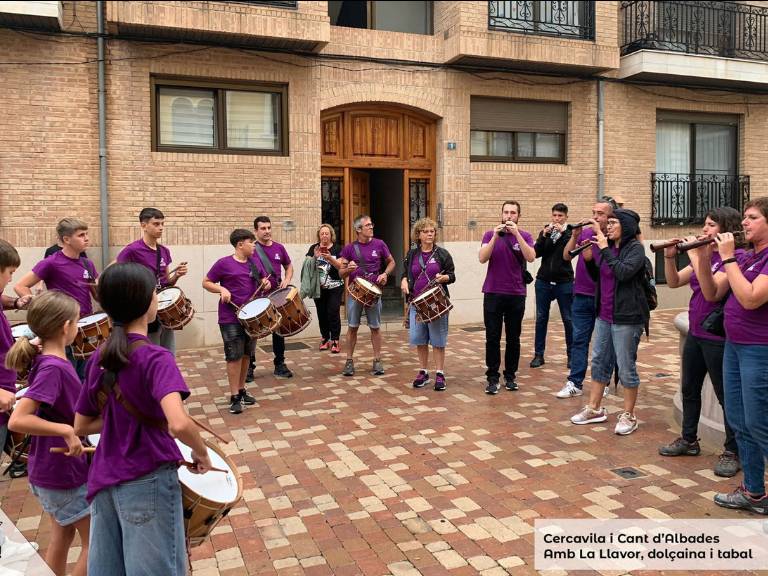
pixel 325 252
pixel 618 266
pixel 426 266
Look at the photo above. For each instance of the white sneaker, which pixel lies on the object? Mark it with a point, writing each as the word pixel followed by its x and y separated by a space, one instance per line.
pixel 626 424
pixel 606 390
pixel 590 416
pixel 569 391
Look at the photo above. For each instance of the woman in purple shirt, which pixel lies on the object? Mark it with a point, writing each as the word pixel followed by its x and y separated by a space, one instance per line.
pixel 702 351
pixel 745 361
pixel 133 396
pixel 47 412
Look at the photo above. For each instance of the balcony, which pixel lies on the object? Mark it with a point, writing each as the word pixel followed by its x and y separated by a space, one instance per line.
pixel 561 19
pixel 718 42
pixel 686 198
pixel 40 15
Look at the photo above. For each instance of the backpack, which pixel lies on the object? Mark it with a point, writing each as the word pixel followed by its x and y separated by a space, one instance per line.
pixel 649 286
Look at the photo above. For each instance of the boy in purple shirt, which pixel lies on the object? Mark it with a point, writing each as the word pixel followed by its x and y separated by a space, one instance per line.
pixel 506 249
pixel 365 258
pixel 273 258
pixel 68 272
pixel 236 279
pixel 148 252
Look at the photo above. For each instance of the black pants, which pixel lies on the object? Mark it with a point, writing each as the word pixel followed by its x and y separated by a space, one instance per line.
pixel 701 356
pixel 509 310
pixel 328 314
pixel 278 349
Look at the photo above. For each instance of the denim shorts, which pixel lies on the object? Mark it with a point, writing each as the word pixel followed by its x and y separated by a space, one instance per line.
pixel 355 313
pixel 616 345
pixel 236 342
pixel 66 506
pixel 422 333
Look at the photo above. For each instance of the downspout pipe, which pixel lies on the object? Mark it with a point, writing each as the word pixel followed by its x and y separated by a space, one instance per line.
pixel 600 138
pixel 102 104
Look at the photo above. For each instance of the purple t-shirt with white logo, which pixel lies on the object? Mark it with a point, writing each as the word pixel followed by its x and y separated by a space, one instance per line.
pixel 583 284
pixel 277 256
pixel 607 288
pixel 744 326
pixel 431 270
pixel 375 253
pixel 237 278
pixel 504 274
pixel 54 383
pixel 142 254
pixel 69 275
pixel 127 448
pixel 7 377
pixel 699 308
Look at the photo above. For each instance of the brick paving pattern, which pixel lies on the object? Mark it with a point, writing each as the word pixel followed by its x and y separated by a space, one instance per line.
pixel 366 475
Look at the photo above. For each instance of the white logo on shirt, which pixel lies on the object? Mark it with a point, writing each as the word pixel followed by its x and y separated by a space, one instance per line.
pixel 277 256
pixel 373 253
pixel 86 275
pixel 516 246
pixel 162 262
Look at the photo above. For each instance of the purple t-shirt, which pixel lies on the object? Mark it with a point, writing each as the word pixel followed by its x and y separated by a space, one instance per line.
pixel 699 307
pixel 69 275
pixel 607 286
pixel 127 448
pixel 744 326
pixel 237 278
pixel 583 283
pixel 375 254
pixel 278 257
pixel 432 269
pixel 54 383
pixel 142 254
pixel 7 377
pixel 504 275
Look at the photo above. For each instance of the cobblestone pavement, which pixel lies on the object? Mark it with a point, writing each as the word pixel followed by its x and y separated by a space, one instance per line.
pixel 366 475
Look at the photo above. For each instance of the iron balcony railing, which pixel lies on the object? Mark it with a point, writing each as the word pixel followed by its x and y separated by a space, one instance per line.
pixel 276 3
pixel 686 198
pixel 564 19
pixel 724 29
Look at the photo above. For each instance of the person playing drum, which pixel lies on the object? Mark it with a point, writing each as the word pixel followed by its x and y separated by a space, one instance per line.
pixel 148 252
pixel 364 259
pixel 236 279
pixel 68 272
pixel 133 397
pixel 426 266
pixel 47 413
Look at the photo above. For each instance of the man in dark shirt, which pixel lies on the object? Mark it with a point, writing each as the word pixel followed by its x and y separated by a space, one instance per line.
pixel 554 281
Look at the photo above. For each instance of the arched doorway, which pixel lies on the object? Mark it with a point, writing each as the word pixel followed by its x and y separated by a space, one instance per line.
pixel 378 159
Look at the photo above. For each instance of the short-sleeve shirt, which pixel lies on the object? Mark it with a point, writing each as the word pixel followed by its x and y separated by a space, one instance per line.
pixel 54 383
pixel 607 289
pixel 140 253
pixel 329 276
pixel 277 256
pixel 505 272
pixel 374 253
pixel 69 275
pixel 129 449
pixel 238 278
pixel 7 376
pixel 698 307
pixel 431 269
pixel 583 283
pixel 744 326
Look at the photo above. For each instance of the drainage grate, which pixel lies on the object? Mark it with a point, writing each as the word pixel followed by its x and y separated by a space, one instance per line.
pixel 628 473
pixel 288 346
pixel 474 328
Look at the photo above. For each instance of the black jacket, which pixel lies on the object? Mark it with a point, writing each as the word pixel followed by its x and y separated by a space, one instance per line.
pixel 553 268
pixel 446 265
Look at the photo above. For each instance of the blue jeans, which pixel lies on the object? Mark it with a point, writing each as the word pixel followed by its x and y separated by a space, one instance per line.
pixel 616 345
pixel 137 528
pixel 583 316
pixel 355 313
pixel 745 379
pixel 424 333
pixel 546 292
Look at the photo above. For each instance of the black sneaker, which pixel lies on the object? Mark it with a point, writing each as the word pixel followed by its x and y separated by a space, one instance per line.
pixel 249 375
pixel 282 371
pixel 17 469
pixel 246 398
pixel 493 387
pixel 421 380
pixel 537 362
pixel 235 404
pixel 510 384
pixel 440 382
pixel 680 447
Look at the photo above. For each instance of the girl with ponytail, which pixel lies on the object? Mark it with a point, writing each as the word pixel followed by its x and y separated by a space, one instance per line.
pixel 47 413
pixel 133 397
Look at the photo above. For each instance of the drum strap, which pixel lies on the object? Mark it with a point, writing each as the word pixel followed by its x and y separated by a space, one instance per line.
pixel 360 258
pixel 157 265
pixel 265 260
pixel 82 263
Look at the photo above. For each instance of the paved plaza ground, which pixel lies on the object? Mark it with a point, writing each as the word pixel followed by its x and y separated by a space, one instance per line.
pixel 366 475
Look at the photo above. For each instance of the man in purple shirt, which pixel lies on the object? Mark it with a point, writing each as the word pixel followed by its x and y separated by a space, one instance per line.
pixel 273 258
pixel 68 272
pixel 506 248
pixel 365 259
pixel 148 252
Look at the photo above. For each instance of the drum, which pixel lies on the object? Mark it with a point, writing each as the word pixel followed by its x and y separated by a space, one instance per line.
pixel 295 317
pixel 16 443
pixel 207 498
pixel 365 292
pixel 431 304
pixel 92 440
pixel 174 310
pixel 18 331
pixel 259 318
pixel 91 332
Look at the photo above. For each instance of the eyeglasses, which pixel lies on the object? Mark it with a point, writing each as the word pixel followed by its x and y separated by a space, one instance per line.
pixel 369 225
pixel 612 223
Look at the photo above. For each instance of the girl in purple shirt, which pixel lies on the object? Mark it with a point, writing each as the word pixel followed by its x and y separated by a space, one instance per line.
pixel 47 412
pixel 133 485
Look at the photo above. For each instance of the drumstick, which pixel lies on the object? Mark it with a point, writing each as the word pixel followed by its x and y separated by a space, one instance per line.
pixel 62 450
pixel 204 427
pixel 193 465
